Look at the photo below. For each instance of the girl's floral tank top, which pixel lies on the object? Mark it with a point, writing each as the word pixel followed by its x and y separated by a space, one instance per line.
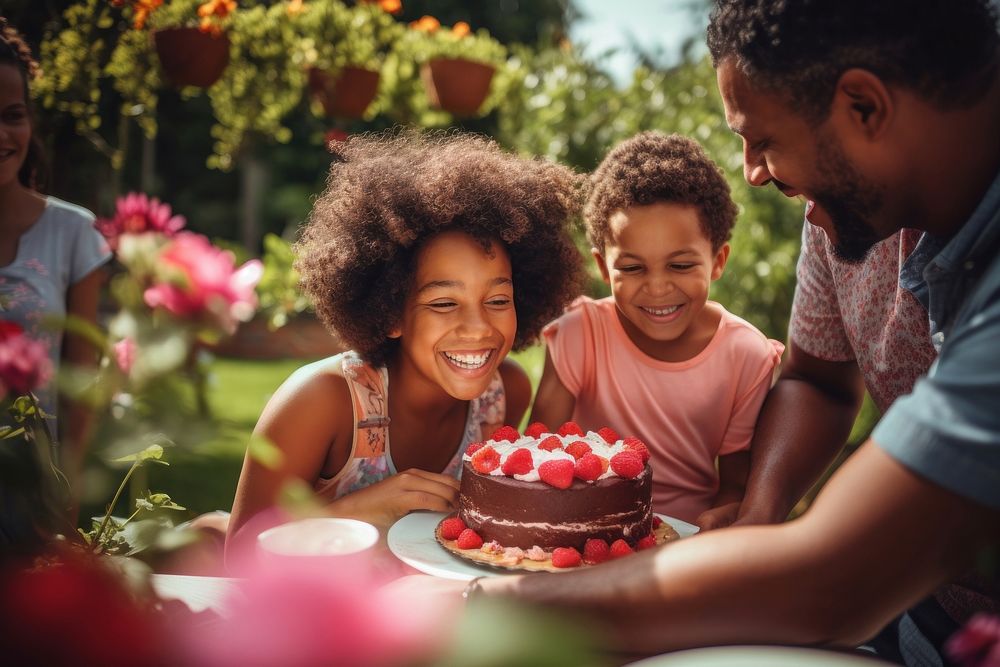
pixel 370 460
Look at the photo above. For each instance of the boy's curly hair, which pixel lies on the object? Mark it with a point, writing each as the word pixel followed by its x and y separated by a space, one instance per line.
pixel 652 168
pixel 945 50
pixel 387 194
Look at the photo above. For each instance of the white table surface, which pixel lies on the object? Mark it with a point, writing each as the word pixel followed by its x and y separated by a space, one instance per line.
pixel 198 593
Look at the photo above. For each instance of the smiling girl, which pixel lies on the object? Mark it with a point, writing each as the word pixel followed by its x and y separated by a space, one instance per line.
pixel 50 257
pixel 431 257
pixel 657 359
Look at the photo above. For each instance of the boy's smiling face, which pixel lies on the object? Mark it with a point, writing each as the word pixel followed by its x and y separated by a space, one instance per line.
pixel 459 321
pixel 660 264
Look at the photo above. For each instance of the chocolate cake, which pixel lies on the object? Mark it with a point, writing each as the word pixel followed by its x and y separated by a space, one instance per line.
pixel 556 490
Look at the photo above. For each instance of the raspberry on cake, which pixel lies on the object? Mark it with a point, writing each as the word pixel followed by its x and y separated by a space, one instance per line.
pixel 557 491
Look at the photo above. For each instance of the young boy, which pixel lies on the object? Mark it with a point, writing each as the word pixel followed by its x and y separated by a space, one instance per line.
pixel 657 360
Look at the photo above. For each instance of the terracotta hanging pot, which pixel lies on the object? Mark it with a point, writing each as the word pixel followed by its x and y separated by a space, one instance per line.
pixel 457 85
pixel 190 57
pixel 346 93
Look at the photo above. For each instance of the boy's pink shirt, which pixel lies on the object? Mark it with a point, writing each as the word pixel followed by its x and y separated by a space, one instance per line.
pixel 687 413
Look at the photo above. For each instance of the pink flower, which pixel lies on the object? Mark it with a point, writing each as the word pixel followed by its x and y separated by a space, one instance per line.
pixel 125 354
pixel 977 644
pixel 196 280
pixel 135 213
pixel 316 614
pixel 24 363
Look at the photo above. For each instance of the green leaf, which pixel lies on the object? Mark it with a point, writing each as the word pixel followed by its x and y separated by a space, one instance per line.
pixel 24 407
pixel 162 501
pixel 150 453
pixel 265 452
pixel 141 535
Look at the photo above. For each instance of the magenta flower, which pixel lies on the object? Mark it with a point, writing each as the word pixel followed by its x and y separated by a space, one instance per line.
pixel 24 363
pixel 977 644
pixel 124 351
pixel 317 614
pixel 197 281
pixel 135 213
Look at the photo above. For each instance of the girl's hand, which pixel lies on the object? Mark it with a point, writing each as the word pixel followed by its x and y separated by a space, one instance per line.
pixel 382 504
pixel 718 517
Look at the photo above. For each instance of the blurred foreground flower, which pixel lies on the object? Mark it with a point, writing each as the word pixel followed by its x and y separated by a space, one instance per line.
pixel 977 644
pixel 72 609
pixel 135 213
pixel 317 613
pixel 24 363
pixel 195 279
pixel 34 493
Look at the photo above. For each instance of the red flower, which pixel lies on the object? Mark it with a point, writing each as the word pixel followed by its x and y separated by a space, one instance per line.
pixel 74 611
pixel 9 329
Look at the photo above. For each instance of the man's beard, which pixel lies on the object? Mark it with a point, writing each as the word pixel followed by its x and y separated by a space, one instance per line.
pixel 850 203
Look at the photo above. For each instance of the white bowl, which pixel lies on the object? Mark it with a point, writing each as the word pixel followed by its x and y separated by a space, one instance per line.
pixel 317 538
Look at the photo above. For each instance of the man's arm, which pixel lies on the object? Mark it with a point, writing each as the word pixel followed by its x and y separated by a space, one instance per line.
pixel 805 421
pixel 832 576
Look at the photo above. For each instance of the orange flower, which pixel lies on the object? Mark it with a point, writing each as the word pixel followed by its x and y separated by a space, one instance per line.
pixel 220 8
pixel 426 24
pixel 295 7
pixel 142 9
pixel 209 26
pixel 461 29
pixel 391 6
pixel 216 9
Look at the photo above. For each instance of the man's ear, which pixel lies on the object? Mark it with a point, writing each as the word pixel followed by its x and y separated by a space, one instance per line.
pixel 601 264
pixel 719 263
pixel 863 102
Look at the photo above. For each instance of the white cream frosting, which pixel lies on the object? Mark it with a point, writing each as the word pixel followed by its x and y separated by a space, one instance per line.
pixel 598 446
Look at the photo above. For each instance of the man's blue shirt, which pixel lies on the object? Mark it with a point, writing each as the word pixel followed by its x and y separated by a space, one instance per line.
pixel 948 429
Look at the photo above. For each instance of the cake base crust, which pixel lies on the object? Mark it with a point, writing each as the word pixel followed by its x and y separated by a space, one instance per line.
pixel 663 533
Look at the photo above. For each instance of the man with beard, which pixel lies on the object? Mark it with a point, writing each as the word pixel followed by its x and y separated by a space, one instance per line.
pixel 884 117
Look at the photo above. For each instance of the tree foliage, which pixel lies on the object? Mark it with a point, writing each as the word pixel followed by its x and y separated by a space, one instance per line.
pixel 547 99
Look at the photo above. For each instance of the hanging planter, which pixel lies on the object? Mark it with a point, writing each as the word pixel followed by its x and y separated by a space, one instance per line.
pixel 191 57
pixel 347 93
pixel 457 85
